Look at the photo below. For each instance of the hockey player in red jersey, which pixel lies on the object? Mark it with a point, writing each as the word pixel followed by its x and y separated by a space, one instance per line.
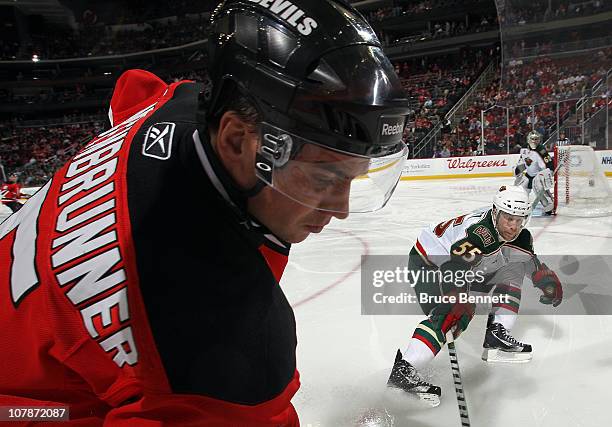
pixel 494 245
pixel 11 192
pixel 131 315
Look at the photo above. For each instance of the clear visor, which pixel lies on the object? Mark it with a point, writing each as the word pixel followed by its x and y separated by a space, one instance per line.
pixel 326 179
pixel 509 226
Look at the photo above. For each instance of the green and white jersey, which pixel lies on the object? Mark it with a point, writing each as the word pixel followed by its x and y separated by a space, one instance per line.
pixel 471 242
pixel 535 160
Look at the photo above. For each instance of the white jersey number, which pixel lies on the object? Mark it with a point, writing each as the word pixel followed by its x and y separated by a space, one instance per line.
pixel 23 271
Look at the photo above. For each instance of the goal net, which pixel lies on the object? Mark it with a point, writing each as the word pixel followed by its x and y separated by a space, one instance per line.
pixel 581 187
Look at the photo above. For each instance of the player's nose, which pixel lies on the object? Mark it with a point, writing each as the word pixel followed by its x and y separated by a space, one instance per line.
pixel 339 202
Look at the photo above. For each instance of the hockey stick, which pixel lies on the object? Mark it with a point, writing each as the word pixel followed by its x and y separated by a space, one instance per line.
pixel 461 402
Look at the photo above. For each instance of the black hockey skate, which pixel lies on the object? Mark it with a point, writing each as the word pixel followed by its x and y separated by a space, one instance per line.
pixel 500 346
pixel 405 377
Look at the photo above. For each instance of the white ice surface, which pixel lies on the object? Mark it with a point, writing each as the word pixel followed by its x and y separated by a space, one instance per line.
pixel 345 358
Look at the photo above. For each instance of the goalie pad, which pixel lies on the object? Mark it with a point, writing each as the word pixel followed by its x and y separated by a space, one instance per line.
pixel 544 180
pixel 542 184
pixel 546 200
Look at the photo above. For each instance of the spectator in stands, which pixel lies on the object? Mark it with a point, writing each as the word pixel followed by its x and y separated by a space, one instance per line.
pixel 10 193
pixel 445 151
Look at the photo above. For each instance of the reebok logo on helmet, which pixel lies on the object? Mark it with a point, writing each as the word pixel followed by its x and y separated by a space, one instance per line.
pixel 391 129
pixel 290 13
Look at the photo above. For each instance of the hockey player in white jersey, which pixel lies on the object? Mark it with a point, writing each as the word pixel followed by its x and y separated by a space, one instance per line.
pixel 497 249
pixel 535 171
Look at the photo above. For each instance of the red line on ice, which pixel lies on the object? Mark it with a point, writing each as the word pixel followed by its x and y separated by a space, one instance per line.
pixel 366 251
pixel 541 231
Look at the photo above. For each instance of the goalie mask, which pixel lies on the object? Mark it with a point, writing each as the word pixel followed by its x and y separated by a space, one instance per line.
pixel 534 139
pixel 332 108
pixel 511 212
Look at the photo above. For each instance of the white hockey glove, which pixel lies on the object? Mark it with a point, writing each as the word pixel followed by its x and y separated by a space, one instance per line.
pixel 520 169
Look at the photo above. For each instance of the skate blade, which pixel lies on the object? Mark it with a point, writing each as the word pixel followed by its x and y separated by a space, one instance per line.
pixel 499 356
pixel 423 399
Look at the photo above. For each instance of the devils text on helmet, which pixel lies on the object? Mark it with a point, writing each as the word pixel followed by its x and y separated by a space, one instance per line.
pixel 290 13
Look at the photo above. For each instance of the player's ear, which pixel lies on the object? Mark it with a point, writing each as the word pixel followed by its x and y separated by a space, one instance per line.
pixel 236 146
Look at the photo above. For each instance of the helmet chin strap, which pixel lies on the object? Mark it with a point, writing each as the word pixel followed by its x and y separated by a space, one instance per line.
pixel 254 190
pixel 494 214
pixel 237 194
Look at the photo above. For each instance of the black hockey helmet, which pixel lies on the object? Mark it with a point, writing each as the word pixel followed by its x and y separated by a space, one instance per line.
pixel 316 72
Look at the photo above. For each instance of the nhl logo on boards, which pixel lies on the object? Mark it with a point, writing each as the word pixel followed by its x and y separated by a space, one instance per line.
pixel 158 141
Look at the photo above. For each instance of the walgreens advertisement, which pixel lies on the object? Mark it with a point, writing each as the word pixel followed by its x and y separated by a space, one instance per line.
pixel 477 166
pixel 460 167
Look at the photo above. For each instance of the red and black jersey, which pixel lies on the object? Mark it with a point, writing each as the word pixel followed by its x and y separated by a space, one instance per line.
pixel 138 306
pixel 10 192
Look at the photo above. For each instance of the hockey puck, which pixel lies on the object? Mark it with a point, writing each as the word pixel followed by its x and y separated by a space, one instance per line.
pixel 378 417
pixel 569 264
